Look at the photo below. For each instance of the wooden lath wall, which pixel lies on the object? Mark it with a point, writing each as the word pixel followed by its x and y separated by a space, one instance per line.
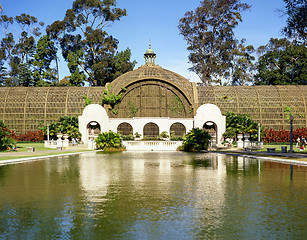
pixel 152 99
pixel 25 109
pixel 265 104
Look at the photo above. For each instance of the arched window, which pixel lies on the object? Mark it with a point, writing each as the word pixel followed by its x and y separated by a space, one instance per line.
pixel 151 130
pixel 177 130
pixel 125 129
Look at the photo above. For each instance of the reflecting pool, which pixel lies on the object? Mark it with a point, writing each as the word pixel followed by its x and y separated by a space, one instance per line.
pixel 153 195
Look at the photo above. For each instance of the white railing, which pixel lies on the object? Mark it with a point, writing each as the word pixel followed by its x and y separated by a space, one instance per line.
pixel 58 144
pixel 152 145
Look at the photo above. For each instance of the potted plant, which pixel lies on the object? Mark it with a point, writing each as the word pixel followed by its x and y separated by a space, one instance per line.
pixel 164 135
pixel 137 136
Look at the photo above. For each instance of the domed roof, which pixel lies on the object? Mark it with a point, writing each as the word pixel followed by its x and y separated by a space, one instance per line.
pixel 211 108
pixel 150 51
pixel 154 72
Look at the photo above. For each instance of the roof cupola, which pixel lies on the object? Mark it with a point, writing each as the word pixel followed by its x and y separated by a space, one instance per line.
pixel 150 56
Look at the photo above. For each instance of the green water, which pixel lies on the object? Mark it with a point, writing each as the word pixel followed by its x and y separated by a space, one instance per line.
pixel 153 195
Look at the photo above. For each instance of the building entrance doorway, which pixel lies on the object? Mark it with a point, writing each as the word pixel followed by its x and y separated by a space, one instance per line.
pixel 212 129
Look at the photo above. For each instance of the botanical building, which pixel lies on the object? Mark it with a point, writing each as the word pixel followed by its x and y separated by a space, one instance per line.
pixel 153 92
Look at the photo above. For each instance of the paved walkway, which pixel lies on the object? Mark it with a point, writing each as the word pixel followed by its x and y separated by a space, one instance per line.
pixel 242 152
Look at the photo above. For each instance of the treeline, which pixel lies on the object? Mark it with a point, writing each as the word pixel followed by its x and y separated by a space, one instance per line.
pixel 30 57
pixel 218 57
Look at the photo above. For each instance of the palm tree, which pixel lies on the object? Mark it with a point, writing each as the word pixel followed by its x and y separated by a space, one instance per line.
pixel 1 8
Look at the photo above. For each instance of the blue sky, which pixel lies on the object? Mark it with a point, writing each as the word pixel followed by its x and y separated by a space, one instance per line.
pixel 158 21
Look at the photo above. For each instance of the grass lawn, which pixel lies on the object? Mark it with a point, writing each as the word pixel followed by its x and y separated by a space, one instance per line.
pixel 40 151
pixel 39 155
pixel 22 147
pixel 278 148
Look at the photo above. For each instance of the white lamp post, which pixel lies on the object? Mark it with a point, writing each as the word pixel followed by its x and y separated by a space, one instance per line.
pixel 48 132
pixel 259 137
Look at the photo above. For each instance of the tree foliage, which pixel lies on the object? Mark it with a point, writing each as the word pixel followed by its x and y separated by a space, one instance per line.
pixel 65 125
pixel 45 53
pixel 25 58
pixel 5 140
pixel 210 37
pixel 240 123
pixel 111 98
pixel 196 140
pixel 296 26
pixel 87 100
pixel 243 64
pixel 89 50
pixel 19 48
pixel 109 140
pixel 282 62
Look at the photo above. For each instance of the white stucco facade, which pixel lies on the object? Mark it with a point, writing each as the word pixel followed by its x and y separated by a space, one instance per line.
pixel 211 113
pixel 93 113
pixel 97 114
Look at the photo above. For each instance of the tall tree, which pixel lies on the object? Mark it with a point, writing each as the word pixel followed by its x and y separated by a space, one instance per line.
pixel 2 68
pixel 19 48
pixel 296 26
pixel 117 64
pixel 243 64
pixel 209 33
pixel 45 53
pixel 77 77
pixel 282 62
pixel 86 46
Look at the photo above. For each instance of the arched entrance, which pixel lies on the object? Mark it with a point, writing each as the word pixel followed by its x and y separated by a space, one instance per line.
pixel 125 129
pixel 151 130
pixel 93 128
pixel 177 130
pixel 212 129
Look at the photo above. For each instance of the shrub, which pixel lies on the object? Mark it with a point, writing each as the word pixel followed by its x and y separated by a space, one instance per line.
pixel 196 140
pixel 66 125
pixel 240 123
pixel 164 134
pixel 129 137
pixel 5 141
pixel 109 140
pixel 37 136
pixel 137 135
pixel 176 138
pixel 278 136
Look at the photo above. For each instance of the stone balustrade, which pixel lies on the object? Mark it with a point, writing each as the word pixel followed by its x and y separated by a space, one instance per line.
pixel 152 145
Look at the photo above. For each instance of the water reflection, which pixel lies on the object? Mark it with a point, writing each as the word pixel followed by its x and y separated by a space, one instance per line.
pixel 150 195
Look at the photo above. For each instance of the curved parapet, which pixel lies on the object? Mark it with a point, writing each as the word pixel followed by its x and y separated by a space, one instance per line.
pixel 210 113
pixel 93 113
